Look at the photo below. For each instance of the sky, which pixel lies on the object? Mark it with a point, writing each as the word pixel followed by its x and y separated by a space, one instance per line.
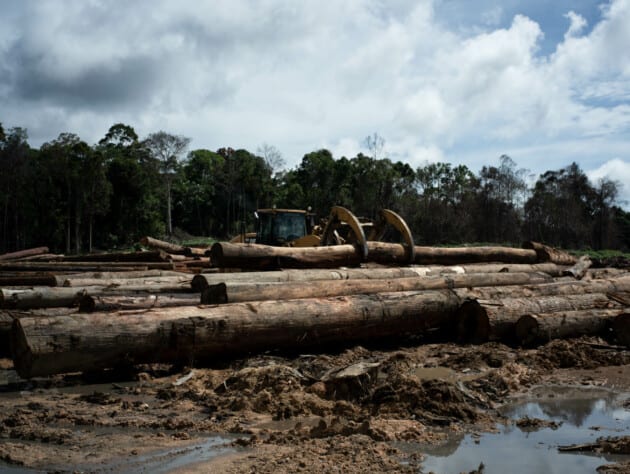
pixel 546 83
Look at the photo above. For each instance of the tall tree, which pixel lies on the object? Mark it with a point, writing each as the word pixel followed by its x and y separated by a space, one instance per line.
pixel 167 149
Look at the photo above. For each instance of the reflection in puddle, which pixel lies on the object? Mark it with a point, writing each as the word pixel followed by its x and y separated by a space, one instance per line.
pixel 584 417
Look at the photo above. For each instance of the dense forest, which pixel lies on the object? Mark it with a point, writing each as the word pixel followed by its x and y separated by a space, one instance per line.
pixel 75 197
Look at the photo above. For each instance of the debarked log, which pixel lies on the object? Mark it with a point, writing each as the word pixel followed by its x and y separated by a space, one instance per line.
pixel 45 346
pixel 107 302
pixel 40 297
pixel 228 255
pixel 388 253
pixel 555 288
pixel 23 253
pixel 546 253
pixel 238 292
pixel 540 328
pixel 479 321
pixel 203 281
pixel 182 279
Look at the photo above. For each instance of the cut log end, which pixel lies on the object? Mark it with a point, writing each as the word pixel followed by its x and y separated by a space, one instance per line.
pixel 527 329
pixel 472 323
pixel 215 294
pixel 621 329
pixel 20 351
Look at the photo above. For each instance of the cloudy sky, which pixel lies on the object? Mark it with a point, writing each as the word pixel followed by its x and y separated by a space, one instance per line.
pixel 461 81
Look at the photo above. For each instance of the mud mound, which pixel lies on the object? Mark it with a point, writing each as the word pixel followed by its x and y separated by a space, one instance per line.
pixel 582 353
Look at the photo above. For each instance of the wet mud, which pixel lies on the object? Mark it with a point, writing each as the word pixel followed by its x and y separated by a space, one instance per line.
pixel 384 410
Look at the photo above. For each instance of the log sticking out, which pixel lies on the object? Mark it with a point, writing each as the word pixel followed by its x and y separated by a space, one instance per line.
pixel 540 328
pixel 479 321
pixel 222 293
pixel 47 346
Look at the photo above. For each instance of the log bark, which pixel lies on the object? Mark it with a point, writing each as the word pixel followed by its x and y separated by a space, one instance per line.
pixel 40 297
pixel 45 346
pixel 104 302
pixel 546 253
pixel 228 255
pixel 621 328
pixel 578 270
pixel 23 253
pixel 128 282
pixel 480 321
pixel 162 245
pixel 28 280
pixel 556 288
pixel 531 329
pixel 204 280
pixel 77 267
pixel 125 274
pixel 142 256
pixel 238 292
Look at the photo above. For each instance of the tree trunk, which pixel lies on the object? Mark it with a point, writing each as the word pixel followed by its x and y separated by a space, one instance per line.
pixel 34 279
pixel 479 321
pixel 42 297
pixel 161 245
pixel 24 253
pixel 175 281
pixel 226 255
pixel 238 292
pixel 43 346
pixel 578 270
pixel 387 253
pixel 202 281
pixel 142 256
pixel 556 288
pixel 91 302
pixel 550 254
pixel 76 267
pixel 532 329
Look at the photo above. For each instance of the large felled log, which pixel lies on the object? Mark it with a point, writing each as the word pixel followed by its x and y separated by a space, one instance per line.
pixel 23 253
pixel 203 281
pixel 142 256
pixel 125 282
pixel 494 320
pixel 76 267
pixel 540 328
pixel 107 302
pixel 578 270
pixel 556 288
pixel 110 275
pixel 546 253
pixel 226 254
pixel 238 292
pixel 387 253
pixel 44 346
pixel 40 297
pixel 28 279
pixel 162 245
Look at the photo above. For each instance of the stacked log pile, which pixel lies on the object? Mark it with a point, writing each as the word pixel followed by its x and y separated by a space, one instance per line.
pixel 72 320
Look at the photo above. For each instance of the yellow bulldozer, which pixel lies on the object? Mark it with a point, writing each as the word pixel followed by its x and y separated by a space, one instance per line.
pixel 297 228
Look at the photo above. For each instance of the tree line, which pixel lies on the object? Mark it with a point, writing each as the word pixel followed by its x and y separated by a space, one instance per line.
pixel 75 197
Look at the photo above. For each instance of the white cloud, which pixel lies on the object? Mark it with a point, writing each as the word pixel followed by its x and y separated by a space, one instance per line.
pixel 616 170
pixel 300 75
pixel 577 24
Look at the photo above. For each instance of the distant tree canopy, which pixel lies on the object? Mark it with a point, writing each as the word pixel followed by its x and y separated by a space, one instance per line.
pixel 75 197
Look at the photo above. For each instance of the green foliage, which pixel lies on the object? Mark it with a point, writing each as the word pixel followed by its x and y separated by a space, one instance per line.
pixel 74 197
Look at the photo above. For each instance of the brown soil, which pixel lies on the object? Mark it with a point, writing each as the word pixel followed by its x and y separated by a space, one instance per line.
pixel 342 412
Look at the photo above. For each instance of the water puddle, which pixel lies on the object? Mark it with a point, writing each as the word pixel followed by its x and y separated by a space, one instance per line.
pixel 580 416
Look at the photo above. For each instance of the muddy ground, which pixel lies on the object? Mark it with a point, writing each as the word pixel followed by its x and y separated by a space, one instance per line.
pixel 349 411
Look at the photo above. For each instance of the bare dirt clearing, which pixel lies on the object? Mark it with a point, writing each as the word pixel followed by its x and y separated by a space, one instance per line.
pixel 356 410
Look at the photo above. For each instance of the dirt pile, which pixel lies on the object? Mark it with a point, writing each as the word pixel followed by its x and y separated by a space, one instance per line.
pixel 343 412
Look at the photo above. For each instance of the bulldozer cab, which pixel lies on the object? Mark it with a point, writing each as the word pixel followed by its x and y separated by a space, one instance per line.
pixel 280 226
